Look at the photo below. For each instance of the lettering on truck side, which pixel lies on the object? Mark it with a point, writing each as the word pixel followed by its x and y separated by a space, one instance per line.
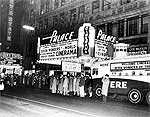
pixel 118 84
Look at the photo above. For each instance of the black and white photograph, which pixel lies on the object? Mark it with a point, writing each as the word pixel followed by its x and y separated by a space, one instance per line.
pixel 74 58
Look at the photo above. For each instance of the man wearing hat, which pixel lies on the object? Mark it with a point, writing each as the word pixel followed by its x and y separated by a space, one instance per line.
pixel 105 86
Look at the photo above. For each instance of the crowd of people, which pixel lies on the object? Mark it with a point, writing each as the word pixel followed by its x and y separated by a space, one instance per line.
pixel 70 84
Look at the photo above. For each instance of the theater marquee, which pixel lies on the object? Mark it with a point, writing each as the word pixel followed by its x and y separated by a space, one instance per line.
pixel 57 46
pixel 67 49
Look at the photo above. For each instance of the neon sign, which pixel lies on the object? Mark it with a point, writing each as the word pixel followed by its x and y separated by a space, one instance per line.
pixel 10 20
pixel 105 38
pixel 86 40
pixel 54 38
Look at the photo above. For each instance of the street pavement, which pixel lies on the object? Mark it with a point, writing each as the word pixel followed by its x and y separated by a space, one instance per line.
pixel 36 102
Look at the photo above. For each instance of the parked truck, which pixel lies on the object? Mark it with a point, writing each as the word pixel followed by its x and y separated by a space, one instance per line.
pixel 129 76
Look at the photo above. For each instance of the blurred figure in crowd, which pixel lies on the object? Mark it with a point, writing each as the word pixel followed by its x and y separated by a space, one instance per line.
pixel 65 85
pixel 2 77
pixel 74 84
pixel 54 85
pixel 90 85
pixel 60 86
pixel 81 85
pixel 105 86
pixel 77 85
pixel 71 84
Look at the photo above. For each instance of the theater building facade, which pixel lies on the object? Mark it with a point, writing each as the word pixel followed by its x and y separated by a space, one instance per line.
pixel 84 50
pixel 59 20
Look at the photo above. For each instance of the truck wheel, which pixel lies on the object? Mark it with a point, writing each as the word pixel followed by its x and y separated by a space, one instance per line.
pixel 98 92
pixel 135 96
pixel 148 97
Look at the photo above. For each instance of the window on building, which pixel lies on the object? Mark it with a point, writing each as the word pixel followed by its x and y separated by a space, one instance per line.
pixel 109 28
pixel 133 73
pixel 73 0
pixel 42 8
pixel 63 2
pixel 47 5
pixel 144 24
pixel 31 1
pixel 122 2
pixel 46 23
pixel 148 74
pixel 95 6
pixel 120 74
pixel 117 50
pixel 82 11
pixel 55 20
pixel 40 24
pixel 62 18
pixel 31 15
pixel 132 26
pixel 100 27
pixel 121 28
pixel 106 4
pixel 73 14
pixel 56 4
pixel 95 71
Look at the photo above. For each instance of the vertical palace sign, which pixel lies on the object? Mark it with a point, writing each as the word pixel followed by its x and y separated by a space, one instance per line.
pixel 86 38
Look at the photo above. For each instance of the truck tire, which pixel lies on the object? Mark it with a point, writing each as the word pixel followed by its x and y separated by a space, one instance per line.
pixel 98 92
pixel 148 97
pixel 135 96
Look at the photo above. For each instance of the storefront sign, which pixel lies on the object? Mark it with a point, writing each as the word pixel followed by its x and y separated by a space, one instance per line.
pixel 10 20
pixel 71 67
pixel 10 58
pixel 135 65
pixel 68 49
pixel 86 38
pixel 105 38
pixel 137 50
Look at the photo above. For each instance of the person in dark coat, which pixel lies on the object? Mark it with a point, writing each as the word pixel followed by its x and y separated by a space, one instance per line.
pixel 81 85
pixel 105 87
pixel 2 76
